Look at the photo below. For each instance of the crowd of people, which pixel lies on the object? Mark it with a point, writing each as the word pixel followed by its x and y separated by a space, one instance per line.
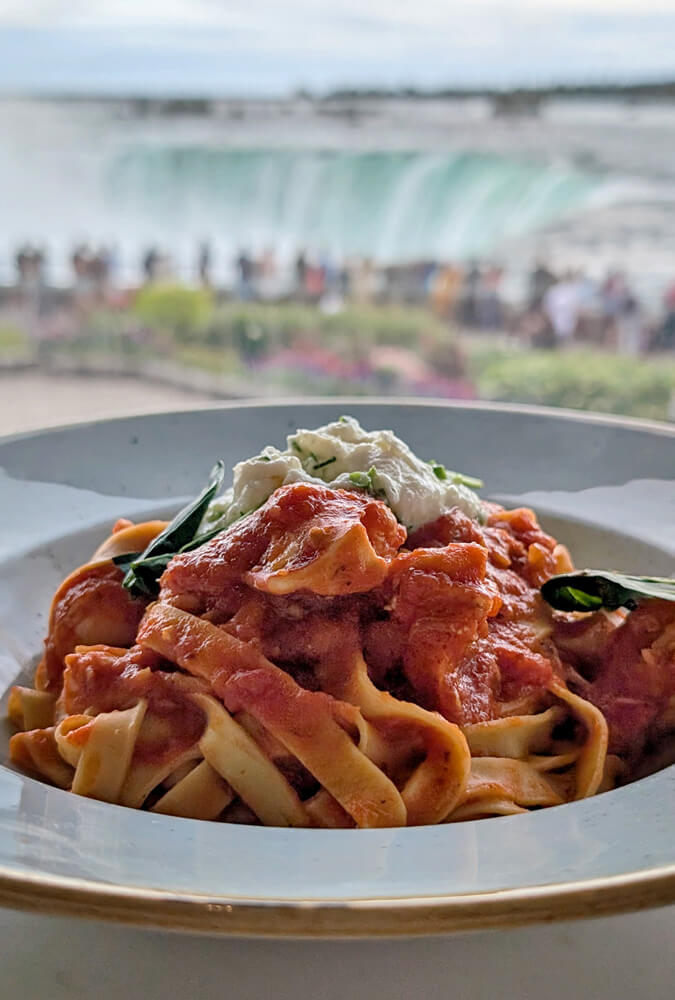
pixel 555 309
pixel 568 306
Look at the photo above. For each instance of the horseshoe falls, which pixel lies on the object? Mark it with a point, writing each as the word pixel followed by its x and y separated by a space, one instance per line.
pixel 582 184
pixel 389 205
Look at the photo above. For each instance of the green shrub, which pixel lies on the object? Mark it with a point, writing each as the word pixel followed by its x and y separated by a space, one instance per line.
pixel 12 341
pixel 395 326
pixel 218 362
pixel 580 380
pixel 184 311
pixel 255 328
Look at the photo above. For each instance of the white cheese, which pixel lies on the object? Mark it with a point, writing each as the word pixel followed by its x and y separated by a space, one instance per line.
pixel 331 454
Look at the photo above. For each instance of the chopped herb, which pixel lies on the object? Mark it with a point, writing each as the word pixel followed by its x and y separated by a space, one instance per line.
pixel 264 458
pixel 366 481
pixel 322 465
pixel 456 478
pixel 343 420
pixel 377 491
pixel 361 479
pixel 296 447
pixel 461 480
pixel 591 589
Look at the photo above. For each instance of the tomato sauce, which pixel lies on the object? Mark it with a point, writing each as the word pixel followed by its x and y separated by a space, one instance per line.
pixel 103 679
pixel 450 617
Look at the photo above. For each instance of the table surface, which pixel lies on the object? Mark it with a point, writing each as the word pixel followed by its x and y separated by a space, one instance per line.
pixel 620 957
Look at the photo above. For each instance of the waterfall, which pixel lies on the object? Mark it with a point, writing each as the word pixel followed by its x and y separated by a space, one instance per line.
pixel 387 204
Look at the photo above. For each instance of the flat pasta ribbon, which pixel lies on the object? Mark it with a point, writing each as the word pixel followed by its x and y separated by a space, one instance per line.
pixel 302 720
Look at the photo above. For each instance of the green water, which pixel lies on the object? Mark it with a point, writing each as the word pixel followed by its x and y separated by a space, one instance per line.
pixel 389 205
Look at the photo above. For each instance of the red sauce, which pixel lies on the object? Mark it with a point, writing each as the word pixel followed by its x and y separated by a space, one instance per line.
pixel 509 661
pixel 90 606
pixel 629 675
pixel 104 679
pixel 450 622
pixel 454 621
pixel 291 531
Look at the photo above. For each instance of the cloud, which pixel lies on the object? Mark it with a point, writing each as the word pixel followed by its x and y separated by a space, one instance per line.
pixel 268 14
pixel 213 46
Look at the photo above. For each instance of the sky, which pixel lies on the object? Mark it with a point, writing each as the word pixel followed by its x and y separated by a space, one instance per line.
pixel 272 47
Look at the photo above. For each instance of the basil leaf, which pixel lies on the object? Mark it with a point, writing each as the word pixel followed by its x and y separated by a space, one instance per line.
pixel 202 539
pixel 591 589
pixel 143 570
pixel 143 575
pixel 125 561
pixel 184 525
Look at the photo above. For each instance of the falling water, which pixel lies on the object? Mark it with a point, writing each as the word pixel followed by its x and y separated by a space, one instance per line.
pixel 388 204
pixel 585 186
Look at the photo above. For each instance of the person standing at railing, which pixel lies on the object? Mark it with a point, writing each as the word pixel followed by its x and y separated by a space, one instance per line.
pixel 204 264
pixel 300 275
pixel 245 269
pixel 540 281
pixel 562 304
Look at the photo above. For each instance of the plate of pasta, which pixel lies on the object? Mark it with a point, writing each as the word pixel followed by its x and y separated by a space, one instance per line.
pixel 342 689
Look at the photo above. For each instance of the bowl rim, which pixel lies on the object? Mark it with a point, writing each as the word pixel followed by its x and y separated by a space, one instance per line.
pixel 358 917
pixel 659 427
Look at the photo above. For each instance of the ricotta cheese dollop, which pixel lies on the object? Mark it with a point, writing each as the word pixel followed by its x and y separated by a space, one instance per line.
pixel 345 456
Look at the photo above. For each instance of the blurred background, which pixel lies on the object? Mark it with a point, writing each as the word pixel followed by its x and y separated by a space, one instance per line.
pixel 217 199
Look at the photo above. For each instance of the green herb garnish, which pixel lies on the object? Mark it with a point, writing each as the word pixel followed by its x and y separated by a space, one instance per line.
pixel 366 481
pixel 457 478
pixel 592 589
pixel 360 479
pixel 322 465
pixel 142 570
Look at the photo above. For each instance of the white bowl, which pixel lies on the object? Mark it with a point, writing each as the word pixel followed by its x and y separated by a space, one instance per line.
pixel 605 487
